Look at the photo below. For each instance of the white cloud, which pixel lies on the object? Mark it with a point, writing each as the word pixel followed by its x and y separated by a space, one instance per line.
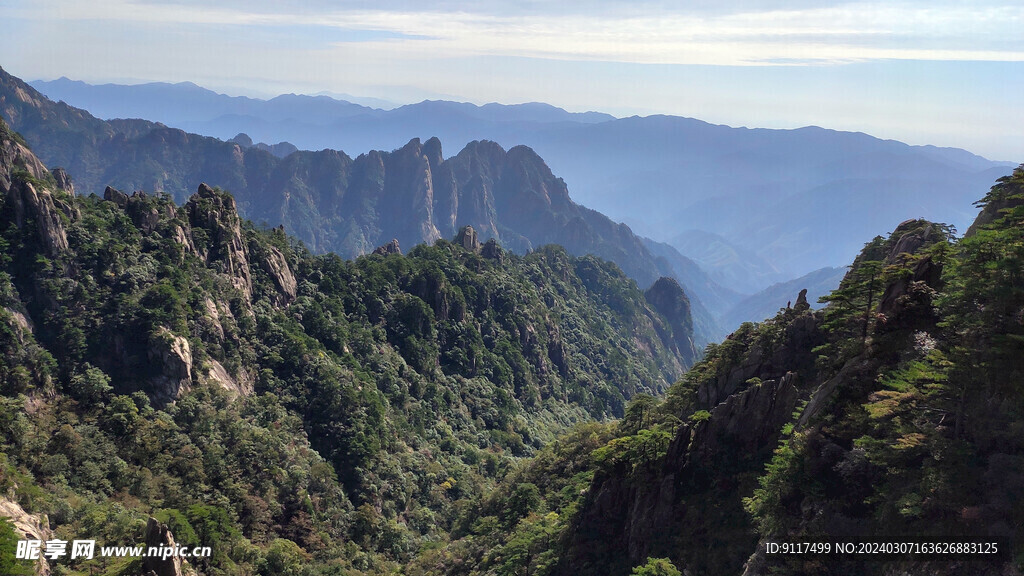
pixel 815 34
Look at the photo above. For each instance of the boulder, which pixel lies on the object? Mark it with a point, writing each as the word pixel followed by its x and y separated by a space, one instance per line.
pixel 114 195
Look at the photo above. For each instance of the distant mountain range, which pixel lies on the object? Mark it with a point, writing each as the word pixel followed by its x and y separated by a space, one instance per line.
pixel 752 206
pixel 351 206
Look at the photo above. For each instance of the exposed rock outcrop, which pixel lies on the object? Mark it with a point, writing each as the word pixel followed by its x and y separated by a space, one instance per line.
pixel 275 264
pixel 792 354
pixel 668 298
pixel 467 239
pixel 23 182
pixel 389 248
pixel 995 208
pixel 63 180
pixel 30 202
pixel 158 535
pixel 492 251
pixel 144 214
pixel 218 375
pixel 630 517
pixel 216 214
pixel 111 194
pixel 172 357
pixel 28 527
pixel 801 301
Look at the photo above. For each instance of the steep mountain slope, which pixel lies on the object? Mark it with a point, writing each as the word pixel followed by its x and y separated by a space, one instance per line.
pixel 284 407
pixel 891 416
pixel 333 202
pixel 792 200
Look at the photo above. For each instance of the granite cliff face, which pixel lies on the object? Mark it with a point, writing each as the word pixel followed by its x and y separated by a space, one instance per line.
pixel 687 505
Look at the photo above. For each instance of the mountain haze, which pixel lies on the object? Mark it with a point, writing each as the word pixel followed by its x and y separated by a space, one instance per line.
pixel 336 203
pixel 792 201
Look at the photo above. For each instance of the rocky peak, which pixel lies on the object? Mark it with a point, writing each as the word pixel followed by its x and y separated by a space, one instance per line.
pixel 28 201
pixel 15 156
pixel 467 239
pixel 63 180
pixel 911 236
pixel 216 214
pixel 432 151
pixel 999 200
pixel 668 299
pixel 801 301
pixel 242 139
pixel 492 251
pixel 159 535
pixel 111 194
pixel 24 182
pixel 143 213
pixel 389 248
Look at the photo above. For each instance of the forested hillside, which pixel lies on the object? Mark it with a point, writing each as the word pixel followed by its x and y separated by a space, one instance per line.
pixel 298 413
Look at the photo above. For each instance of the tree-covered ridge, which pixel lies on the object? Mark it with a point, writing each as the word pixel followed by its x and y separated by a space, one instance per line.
pixel 300 413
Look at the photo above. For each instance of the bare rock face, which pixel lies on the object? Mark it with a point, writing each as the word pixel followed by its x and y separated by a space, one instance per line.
pixel 38 204
pixel 668 298
pixel 23 181
pixel 28 527
pixel 275 264
pixel 15 156
pixel 63 180
pixel 907 301
pixel 467 239
pixel 626 520
pixel 111 194
pixel 389 248
pixel 157 535
pixel 173 355
pixel 218 375
pixel 216 214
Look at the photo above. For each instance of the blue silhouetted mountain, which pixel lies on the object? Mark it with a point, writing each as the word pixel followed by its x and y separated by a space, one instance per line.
pixel 789 201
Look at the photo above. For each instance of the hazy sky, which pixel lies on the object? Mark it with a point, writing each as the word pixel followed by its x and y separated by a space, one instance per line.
pixel 938 72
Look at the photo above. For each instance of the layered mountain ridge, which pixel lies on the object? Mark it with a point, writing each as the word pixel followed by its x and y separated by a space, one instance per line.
pixel 758 206
pixel 170 368
pixel 350 206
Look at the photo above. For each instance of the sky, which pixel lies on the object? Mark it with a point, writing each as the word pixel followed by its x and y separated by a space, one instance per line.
pixel 942 72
